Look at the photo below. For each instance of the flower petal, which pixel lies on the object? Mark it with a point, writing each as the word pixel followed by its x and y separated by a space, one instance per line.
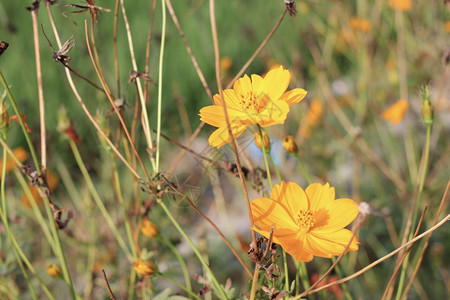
pixel 295 248
pixel 276 82
pixel 257 82
pixel 275 113
pixel 291 196
pixel 293 96
pixel 343 212
pixel 329 244
pixel 320 196
pixel 214 116
pixel 242 86
pixel 231 100
pixel 267 213
pixel 220 137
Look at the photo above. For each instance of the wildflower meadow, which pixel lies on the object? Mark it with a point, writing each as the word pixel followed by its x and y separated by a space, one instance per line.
pixel 224 149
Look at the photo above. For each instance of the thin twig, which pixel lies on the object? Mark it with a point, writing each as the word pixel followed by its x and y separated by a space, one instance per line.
pixel 177 191
pixel 263 44
pixel 37 55
pixel 378 261
pixel 114 106
pixel 188 48
pixel 111 294
pixel 227 119
pixel 403 257
pixel 441 207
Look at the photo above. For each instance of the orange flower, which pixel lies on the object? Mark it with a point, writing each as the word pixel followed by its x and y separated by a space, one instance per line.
pixel 400 4
pixel 360 24
pixel 252 101
pixel 396 112
pixel 144 267
pixel 306 223
pixel 447 26
pixel 21 155
pixel 149 228
pixel 313 117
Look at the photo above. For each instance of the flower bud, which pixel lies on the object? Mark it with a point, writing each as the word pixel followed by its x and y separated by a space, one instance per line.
pixel 53 270
pixel 144 267
pixel 148 228
pixel 427 107
pixel 289 144
pixel 257 138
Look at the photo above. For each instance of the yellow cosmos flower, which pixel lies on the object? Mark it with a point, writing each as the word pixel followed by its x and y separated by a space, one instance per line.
pixel 306 223
pixel 396 112
pixel 252 101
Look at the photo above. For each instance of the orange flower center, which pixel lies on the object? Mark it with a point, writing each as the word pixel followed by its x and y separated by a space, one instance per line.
pixel 305 220
pixel 252 102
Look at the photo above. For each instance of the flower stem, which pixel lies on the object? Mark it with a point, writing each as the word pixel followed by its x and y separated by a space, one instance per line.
pixel 302 167
pixel 416 208
pixel 254 282
pixel 194 248
pixel 265 157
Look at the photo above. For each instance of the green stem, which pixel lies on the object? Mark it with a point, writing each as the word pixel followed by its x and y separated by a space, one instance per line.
pixel 160 83
pixel 301 267
pixel 416 209
pixel 254 282
pixel 265 157
pixel 302 167
pixel 180 260
pixel 58 247
pixel 98 201
pixel 194 248
pixel 187 290
pixel 343 285
pixel 274 167
pixel 122 205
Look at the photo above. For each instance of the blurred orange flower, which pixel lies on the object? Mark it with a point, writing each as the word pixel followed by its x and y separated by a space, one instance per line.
pixel 402 5
pixel 360 24
pixel 252 101
pixel 144 267
pixel 20 153
pixel 447 26
pixel 396 112
pixel 306 223
pixel 313 117
pixel 149 228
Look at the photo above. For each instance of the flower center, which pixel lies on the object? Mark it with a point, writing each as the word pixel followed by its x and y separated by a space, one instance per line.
pixel 252 102
pixel 305 220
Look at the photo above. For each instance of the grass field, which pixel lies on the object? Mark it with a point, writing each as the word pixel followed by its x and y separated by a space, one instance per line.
pixel 114 188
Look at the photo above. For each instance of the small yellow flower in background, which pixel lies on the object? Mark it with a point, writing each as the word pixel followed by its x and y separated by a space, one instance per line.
pixel 53 270
pixel 396 112
pixel 20 153
pixel 360 24
pixel 226 63
pixel 252 101
pixel 447 26
pixel 289 144
pixel 306 223
pixel 52 182
pixel 402 5
pixel 313 118
pixel 257 139
pixel 148 228
pixel 144 267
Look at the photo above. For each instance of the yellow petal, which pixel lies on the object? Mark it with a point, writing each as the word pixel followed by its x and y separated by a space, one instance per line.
pixel 293 96
pixel 231 100
pixel 329 244
pixel 267 213
pixel 319 195
pixel 396 112
pixel 275 113
pixel 295 248
pixel 276 82
pixel 257 82
pixel 343 212
pixel 214 116
pixel 221 137
pixel 291 196
pixel 242 86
